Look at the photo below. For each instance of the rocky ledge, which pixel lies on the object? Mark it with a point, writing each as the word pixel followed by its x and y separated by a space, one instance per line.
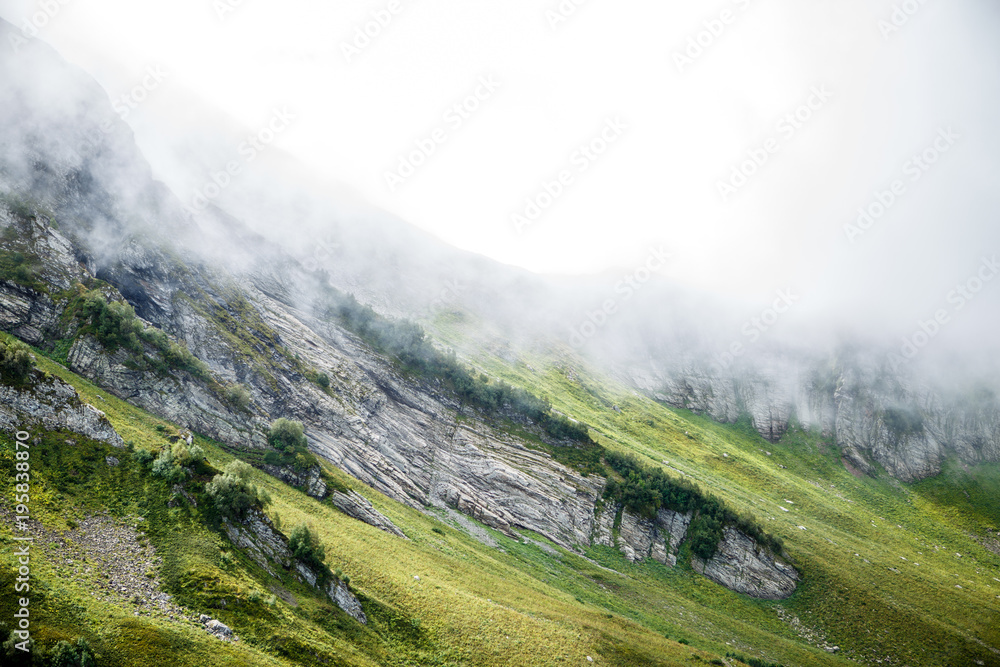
pixel 51 403
pixel 741 565
pixel 266 546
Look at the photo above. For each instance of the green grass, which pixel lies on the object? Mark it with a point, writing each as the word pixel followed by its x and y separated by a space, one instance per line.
pixel 471 606
pixel 530 602
pixel 872 604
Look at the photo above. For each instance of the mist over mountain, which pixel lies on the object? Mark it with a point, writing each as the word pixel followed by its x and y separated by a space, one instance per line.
pixel 327 435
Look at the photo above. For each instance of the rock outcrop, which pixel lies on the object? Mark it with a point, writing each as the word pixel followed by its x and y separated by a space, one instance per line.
pixel 52 404
pixel 357 507
pixel 877 412
pixel 267 547
pixel 311 481
pixel 741 565
pixel 639 538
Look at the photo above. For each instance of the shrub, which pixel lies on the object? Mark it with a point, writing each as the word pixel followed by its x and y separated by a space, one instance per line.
pixel 115 326
pixel 165 467
pixel 237 396
pixel 64 654
pixel 233 494
pixel 287 436
pixel 323 380
pixel 143 456
pixel 304 545
pixel 15 361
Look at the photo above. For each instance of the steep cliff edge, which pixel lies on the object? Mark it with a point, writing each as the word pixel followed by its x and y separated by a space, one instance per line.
pixel 878 412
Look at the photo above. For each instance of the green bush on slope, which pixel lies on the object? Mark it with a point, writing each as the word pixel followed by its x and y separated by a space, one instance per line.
pixel 305 545
pixel 115 326
pixel 233 494
pixel 645 491
pixel 15 361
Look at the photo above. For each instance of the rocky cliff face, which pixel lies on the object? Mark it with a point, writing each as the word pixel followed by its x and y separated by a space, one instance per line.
pixel 82 207
pixel 742 566
pixel 267 547
pixel 50 403
pixel 640 538
pixel 877 413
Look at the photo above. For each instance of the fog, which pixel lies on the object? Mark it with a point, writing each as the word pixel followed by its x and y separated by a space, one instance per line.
pixel 809 175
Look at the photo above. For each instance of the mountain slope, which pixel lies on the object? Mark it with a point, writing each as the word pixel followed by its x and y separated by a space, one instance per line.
pixel 206 325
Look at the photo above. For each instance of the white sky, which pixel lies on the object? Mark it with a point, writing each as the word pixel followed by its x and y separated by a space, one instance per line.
pixel 657 183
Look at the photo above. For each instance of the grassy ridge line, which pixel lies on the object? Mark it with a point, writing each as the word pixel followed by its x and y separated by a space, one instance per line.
pixel 866 607
pixel 459 577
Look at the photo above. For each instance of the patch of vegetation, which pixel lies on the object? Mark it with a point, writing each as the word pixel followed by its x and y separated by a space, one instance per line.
pixel 21 268
pixel 237 396
pixel 305 545
pixel 645 491
pixel 406 342
pixel 115 326
pixel 16 361
pixel 291 449
pixel 172 462
pixel 232 492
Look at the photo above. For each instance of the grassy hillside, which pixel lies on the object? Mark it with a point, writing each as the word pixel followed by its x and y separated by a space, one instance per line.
pixel 890 569
pixel 907 572
pixel 472 604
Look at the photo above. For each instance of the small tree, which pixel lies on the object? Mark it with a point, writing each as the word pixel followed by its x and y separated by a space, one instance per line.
pixel 15 361
pixel 304 545
pixel 237 396
pixel 172 460
pixel 232 492
pixel 287 436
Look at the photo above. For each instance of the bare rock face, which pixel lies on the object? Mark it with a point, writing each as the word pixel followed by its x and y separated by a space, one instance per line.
pixel 311 481
pixel 53 404
pixel 178 397
pixel 262 542
pixel 639 538
pixel 741 565
pixel 257 536
pixel 357 507
pixel 343 597
pixel 877 412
